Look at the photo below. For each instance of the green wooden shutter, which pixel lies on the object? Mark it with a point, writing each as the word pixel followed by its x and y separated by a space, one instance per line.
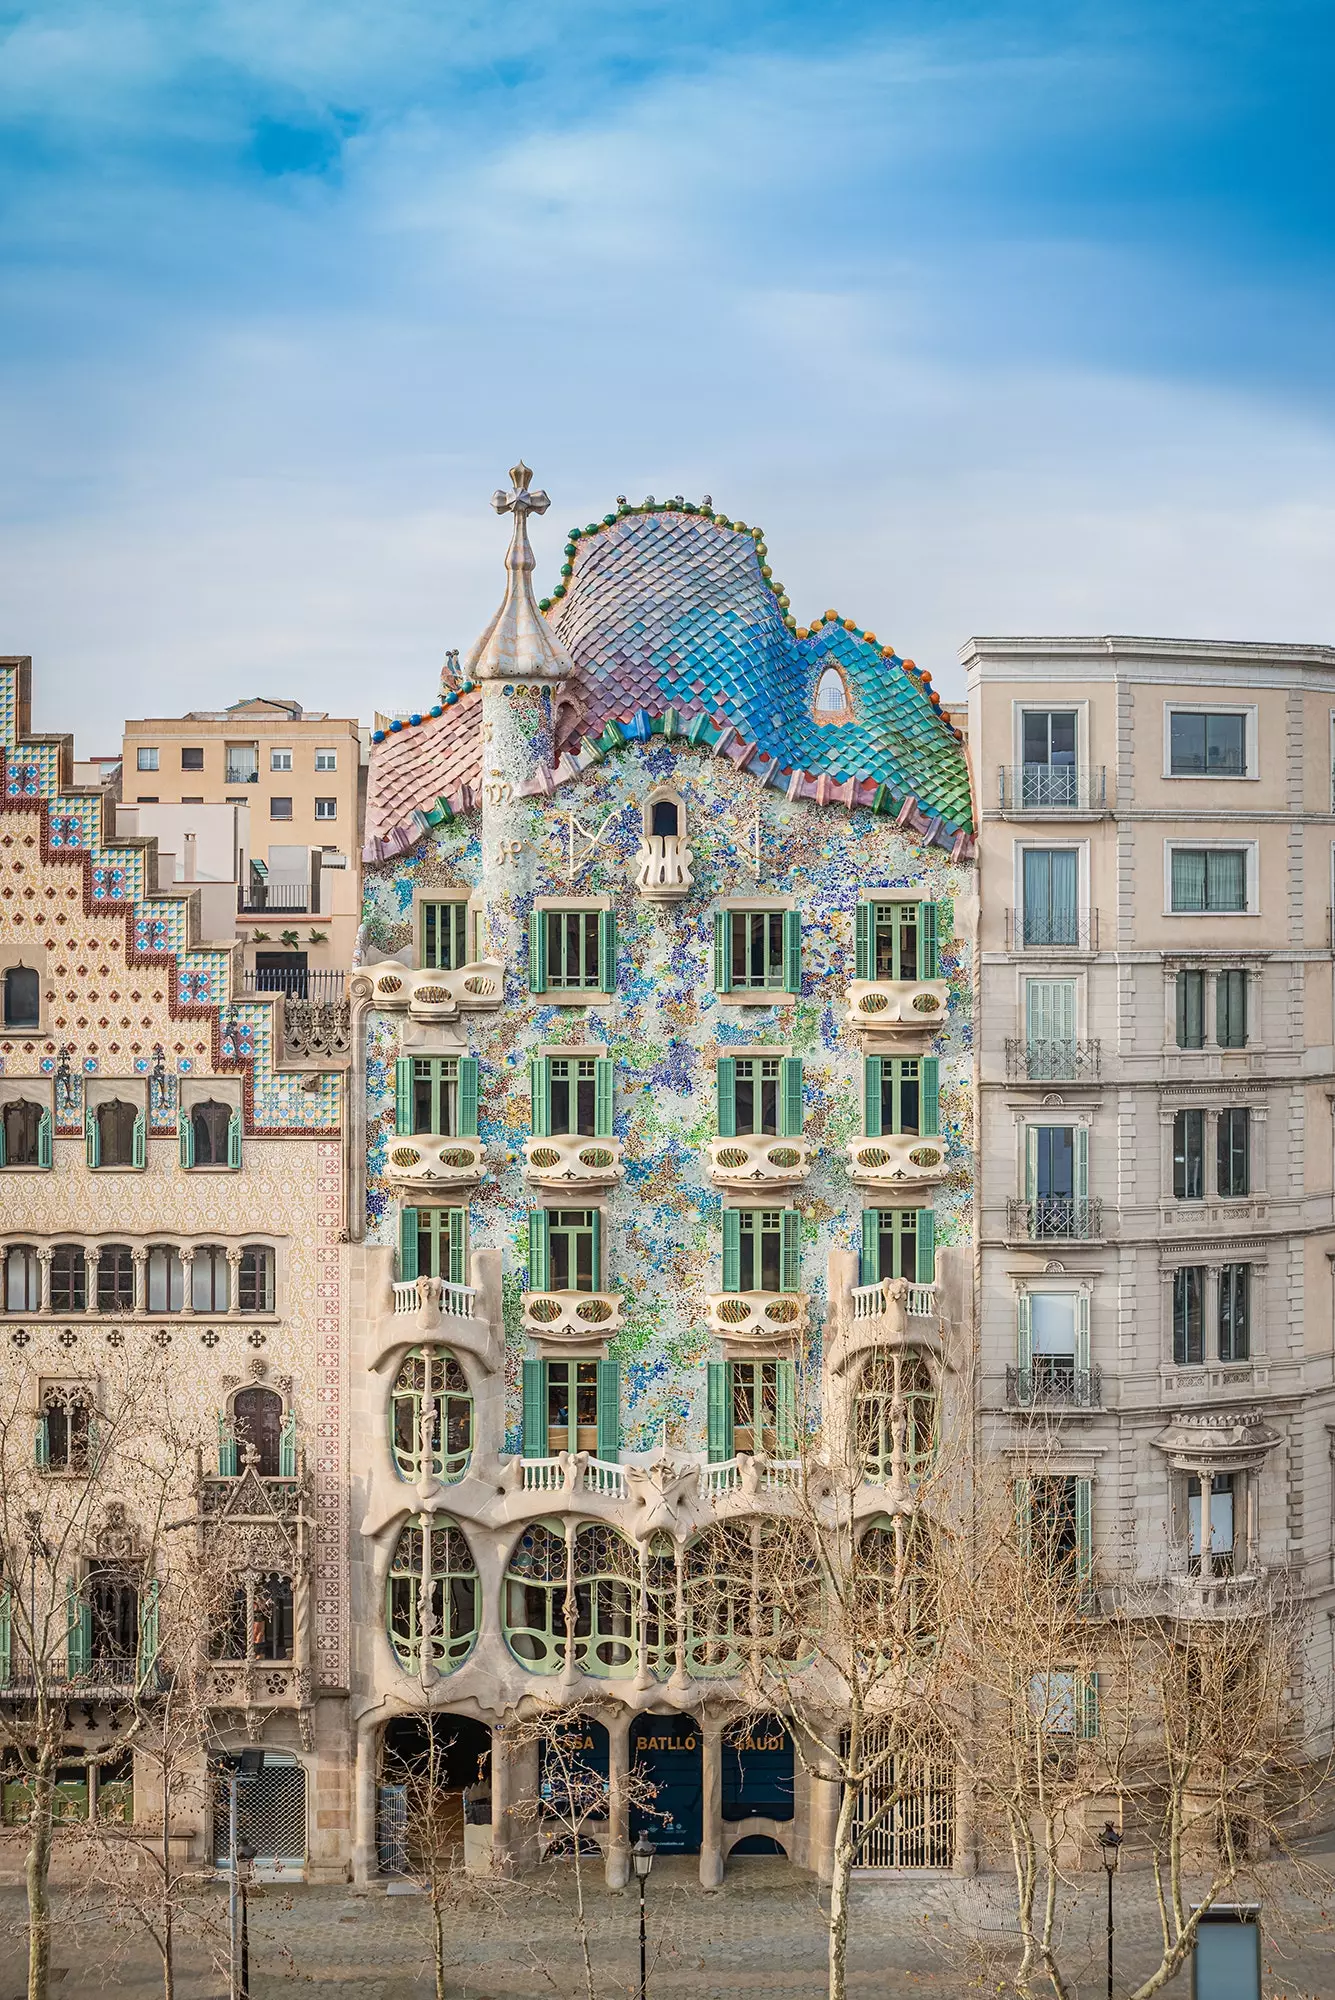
pixel 92 1138
pixel 792 951
pixel 1024 1516
pixel 539 1254
pixel 540 1095
pixel 79 1631
pixel 719 1375
pixel 790 1250
pixel 465 1098
pixel 185 1138
pixel 929 1097
pixel 926 1246
pixel 871 1098
pixel 1024 1332
pixel 42 1443
pixel 139 1141
pixel 732 1250
pixel 929 956
pixel 6 1639
pixel 227 1451
pixel 722 951
pixel 596 1222
pixel 458 1238
pixel 43 1139
pixel 871 1246
pixel 792 1111
pixel 604 1086
pixel 537 951
pixel 148 1631
pixel 1031 1163
pixel 607 951
pixel 535 1409
pixel 1082 1330
pixel 3 1160
pixel 407 1245
pixel 1084 1529
pixel 864 960
pixel 1081 1173
pixel 785 1408
pixel 609 1411
pixel 287 1447
pixel 1087 1701
pixel 403 1096
pixel 725 1069
pixel 234 1140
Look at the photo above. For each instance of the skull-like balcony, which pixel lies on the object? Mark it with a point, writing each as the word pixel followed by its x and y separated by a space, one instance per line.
pixel 439 996
pixel 566 1160
pixel 663 868
pixel 899 1161
pixel 424 1161
pixel 758 1160
pixel 773 1317
pixel 570 1317
pixel 897 1007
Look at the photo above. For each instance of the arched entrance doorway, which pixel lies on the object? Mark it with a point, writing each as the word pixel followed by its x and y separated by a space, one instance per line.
pixel 665 1750
pixel 431 1769
pixel 573 1765
pixel 757 1780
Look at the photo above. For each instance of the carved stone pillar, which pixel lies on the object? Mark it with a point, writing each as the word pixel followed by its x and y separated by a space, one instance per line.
pixel 365 1860
pixel 187 1257
pixel 711 1803
pixel 233 1281
pixel 92 1257
pixel 44 1256
pixel 618 1807
pixel 140 1256
pixel 514 1779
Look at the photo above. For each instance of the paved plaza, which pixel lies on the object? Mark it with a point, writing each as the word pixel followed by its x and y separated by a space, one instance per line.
pixel 761 1934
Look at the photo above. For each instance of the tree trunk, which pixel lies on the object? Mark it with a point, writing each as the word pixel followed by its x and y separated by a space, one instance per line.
pixel 840 1883
pixel 438 1918
pixel 37 1871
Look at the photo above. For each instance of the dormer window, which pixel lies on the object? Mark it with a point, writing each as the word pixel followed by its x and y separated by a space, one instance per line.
pixel 832 703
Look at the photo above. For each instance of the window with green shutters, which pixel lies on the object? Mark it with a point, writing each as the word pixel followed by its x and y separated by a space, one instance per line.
pixel 572 951
pixel 757 951
pixel 116 1135
pixel 25 1134
pixel 433 1243
pixel 762 1250
pixel 572 1406
pixel 1057 1522
pixel 898 940
pixel 431 1416
pixel 899 1243
pixel 1230 996
pixel 436 1094
pixel 1064 1703
pixel 752 1408
pixel 432 1566
pixel 447 933
pixel 572 1095
pixel 760 1095
pixel 565 1250
pixel 902 1094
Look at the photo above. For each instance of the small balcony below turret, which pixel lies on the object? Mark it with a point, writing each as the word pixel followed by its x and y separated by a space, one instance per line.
pixel 435 995
pixel 571 1160
pixel 774 1317
pixel 900 1162
pixel 422 1160
pixel 572 1316
pixel 663 868
pixel 758 1160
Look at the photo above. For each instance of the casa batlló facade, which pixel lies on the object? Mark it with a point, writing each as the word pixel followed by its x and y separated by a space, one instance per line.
pixel 662 1073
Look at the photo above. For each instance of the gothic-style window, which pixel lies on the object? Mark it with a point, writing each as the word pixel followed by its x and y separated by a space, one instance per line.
pixel 25 1135
pixel 115 1124
pixel 210 1129
pixel 432 1566
pixel 113 1598
pixel 259 1623
pixel 64 1430
pixel 257 1419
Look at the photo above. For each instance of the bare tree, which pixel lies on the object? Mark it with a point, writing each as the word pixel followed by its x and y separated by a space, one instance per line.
pixel 432 1834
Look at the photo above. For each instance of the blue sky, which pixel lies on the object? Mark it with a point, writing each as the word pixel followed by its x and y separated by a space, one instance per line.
pixel 996 317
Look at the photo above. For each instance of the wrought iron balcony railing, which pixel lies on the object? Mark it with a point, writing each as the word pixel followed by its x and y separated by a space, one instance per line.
pixel 1061 1217
pixel 1052 788
pixel 1054 1061
pixel 1054 1388
pixel 297 982
pixel 1041 930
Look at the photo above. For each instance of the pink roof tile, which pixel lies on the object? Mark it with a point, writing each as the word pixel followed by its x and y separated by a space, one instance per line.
pixel 417 766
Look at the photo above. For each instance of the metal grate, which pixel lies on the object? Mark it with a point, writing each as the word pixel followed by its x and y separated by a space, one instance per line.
pixel 917 1792
pixel 270 1817
pixel 391 1829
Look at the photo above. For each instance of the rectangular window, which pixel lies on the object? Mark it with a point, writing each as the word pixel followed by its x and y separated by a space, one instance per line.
pixel 326 808
pixel 280 760
pixel 192 760
pixel 1048 776
pixel 1189 1156
pixel 146 758
pixel 444 936
pixel 573 1095
pixel 1052 1335
pixel 1235 1339
pixel 572 951
pixel 572 1250
pixel 757 951
pixel 898 1243
pixel 433 1243
pixel 762 1408
pixel 1189 1315
pixel 756 1094
pixel 280 808
pixel 1206 746
pixel 761 1239
pixel 572 1406
pixel 1230 996
pixel 1222 1545
pixel 1051 883
pixel 898 941
pixel 902 1094
pixel 1059 1523
pixel 326 760
pixel 147 799
pixel 1050 1028
pixel 243 763
pixel 435 1081
pixel 1234 1147
pixel 1191 1010
pixel 1208 878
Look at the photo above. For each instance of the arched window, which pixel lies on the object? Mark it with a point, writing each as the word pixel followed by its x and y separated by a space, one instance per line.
pixel 26 1135
pixel 65 1431
pixel 607 1592
pixel 895 1579
pixel 117 1126
pixel 433 1566
pixel 750 1588
pixel 257 1419
pixel 535 1595
pixel 69 1278
pixel 210 1134
pixel 255 1285
pixel 659 1638
pixel 665 819
pixel 166 1279
pixel 23 997
pixel 23 1279
pixel 259 1622
pixel 832 703
pixel 115 1278
pixel 210 1280
pixel 430 1376
pixel 896 1413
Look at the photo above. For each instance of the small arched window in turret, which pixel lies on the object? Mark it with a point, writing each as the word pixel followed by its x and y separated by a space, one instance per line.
pixel 832 703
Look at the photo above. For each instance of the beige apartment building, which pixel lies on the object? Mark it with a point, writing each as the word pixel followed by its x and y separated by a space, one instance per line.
pixel 1156 1076
pixel 290 779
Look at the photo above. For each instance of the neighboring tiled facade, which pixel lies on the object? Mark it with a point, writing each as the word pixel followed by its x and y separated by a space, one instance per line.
pixel 1155 1079
pixel 607 1192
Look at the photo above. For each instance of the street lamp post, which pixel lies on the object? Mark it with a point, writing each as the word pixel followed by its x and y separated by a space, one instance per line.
pixel 1109 1841
pixel 642 1859
pixel 245 1855
pixel 240 1770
